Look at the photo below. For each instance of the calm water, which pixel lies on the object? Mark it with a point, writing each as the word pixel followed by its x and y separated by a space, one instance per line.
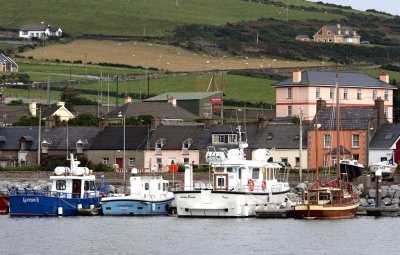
pixel 172 235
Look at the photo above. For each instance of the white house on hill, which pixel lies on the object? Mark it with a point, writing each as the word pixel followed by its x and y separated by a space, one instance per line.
pixel 39 31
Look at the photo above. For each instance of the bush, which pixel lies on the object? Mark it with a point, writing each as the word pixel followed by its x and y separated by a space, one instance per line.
pixel 103 168
pixel 22 168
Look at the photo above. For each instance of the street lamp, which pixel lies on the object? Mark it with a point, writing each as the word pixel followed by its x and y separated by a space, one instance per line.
pixel 120 115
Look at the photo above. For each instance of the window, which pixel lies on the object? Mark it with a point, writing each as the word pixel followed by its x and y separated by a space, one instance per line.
pixel 25 32
pixel 345 94
pixel 327 141
pixel 325 160
pixel 165 186
pixel 386 95
pixel 131 162
pixel 146 186
pixel 159 161
pixel 330 40
pixel 297 161
pixel 317 92
pixel 355 141
pixel 61 185
pixel 221 182
pixel 385 111
pixel 105 161
pixel 89 185
pixel 224 138
pixel 359 95
pixel 185 160
pixel 324 196
pixel 289 92
pixel 290 110
pixel 383 158
pixel 374 93
pixel 331 93
pixel 356 156
pixel 256 173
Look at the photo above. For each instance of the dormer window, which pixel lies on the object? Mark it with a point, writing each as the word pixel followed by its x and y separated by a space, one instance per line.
pixel 159 144
pixel 224 138
pixel 186 145
pixel 80 146
pixel 45 147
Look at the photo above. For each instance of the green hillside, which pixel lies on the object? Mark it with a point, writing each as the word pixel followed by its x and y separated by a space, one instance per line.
pixel 149 17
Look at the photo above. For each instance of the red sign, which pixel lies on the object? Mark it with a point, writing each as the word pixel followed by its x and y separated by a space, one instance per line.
pixel 216 100
pixel 173 168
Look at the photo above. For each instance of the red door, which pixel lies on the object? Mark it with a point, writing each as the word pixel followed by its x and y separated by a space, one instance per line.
pixel 119 162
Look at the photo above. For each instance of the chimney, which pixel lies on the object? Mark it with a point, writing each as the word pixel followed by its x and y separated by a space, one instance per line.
pixel 320 104
pixel 296 75
pixel 338 26
pixel 346 32
pixel 128 99
pixel 103 123
pixel 49 122
pixel 354 33
pixel 262 121
pixel 172 100
pixel 32 108
pixel 384 76
pixel 155 123
pixel 61 104
pixel 380 115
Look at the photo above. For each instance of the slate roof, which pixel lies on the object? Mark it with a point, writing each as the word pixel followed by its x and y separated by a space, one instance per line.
pixel 175 135
pixel 6 60
pixel 184 96
pixel 335 30
pixel 325 78
pixel 351 118
pixel 112 138
pixel 162 110
pixel 91 109
pixel 34 27
pixel 58 137
pixel 11 135
pixel 10 114
pixel 47 111
pixel 385 136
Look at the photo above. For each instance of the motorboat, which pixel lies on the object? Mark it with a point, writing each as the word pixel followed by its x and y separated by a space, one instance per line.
pixel 350 168
pixel 149 195
pixel 238 187
pixel 73 189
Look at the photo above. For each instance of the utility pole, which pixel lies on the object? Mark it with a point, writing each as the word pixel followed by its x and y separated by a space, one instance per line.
pixel 40 129
pixel 148 84
pixel 301 145
pixel 116 99
pixel 48 90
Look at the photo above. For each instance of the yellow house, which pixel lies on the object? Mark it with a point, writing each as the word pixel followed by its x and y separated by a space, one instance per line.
pixel 337 34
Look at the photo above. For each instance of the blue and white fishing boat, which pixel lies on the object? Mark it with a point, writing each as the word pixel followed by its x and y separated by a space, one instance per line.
pixel 149 195
pixel 73 189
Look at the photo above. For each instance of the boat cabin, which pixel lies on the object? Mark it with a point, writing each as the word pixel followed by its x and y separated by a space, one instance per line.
pixel 148 186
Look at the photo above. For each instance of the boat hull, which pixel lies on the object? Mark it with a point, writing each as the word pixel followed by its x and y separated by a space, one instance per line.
pixel 207 203
pixel 4 204
pixel 27 204
pixel 135 207
pixel 325 211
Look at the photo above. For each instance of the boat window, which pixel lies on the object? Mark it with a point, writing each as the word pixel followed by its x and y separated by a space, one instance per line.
pixel 324 196
pixel 231 170
pixel 256 173
pixel 219 169
pixel 240 172
pixel 146 186
pixel 159 186
pixel 60 185
pixel 86 185
pixel 165 186
pixel 313 196
pixel 92 185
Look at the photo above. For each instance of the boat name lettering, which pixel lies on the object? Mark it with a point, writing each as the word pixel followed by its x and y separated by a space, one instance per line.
pixel 30 200
pixel 188 196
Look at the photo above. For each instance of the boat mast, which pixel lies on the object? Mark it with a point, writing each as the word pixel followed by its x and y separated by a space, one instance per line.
pixel 337 124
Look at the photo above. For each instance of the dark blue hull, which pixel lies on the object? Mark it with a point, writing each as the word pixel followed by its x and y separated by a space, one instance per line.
pixel 128 207
pixel 47 204
pixel 350 171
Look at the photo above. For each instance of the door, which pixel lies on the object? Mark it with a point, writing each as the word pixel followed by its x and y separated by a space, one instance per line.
pixel 120 163
pixel 76 188
pixel 221 182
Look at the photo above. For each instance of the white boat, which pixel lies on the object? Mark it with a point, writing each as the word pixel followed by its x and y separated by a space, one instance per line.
pixel 351 168
pixel 387 167
pixel 149 195
pixel 239 186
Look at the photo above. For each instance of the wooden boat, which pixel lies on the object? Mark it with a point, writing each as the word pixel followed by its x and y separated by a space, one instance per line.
pixel 335 199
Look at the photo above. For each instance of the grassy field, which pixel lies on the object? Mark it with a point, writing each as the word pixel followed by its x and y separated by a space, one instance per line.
pixel 158 56
pixel 140 17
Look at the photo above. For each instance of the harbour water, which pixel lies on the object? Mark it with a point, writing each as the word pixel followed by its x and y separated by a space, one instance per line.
pixel 173 235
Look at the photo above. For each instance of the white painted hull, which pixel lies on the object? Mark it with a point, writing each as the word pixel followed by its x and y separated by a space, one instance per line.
pixel 207 203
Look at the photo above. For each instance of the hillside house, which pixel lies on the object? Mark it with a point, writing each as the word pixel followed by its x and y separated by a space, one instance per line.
pixel 53 111
pixel 337 34
pixel 385 144
pixel 40 30
pixel 7 65
pixel 301 92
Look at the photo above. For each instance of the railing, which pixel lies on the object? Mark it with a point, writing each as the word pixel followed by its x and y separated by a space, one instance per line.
pixel 46 193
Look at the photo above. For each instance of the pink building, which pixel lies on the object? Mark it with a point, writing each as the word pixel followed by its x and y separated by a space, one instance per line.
pixel 301 92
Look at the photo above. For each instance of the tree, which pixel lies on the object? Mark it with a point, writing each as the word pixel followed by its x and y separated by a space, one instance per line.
pixel 396 101
pixel 69 95
pixel 84 120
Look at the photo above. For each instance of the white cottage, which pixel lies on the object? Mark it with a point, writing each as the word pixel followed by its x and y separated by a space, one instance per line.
pixel 39 31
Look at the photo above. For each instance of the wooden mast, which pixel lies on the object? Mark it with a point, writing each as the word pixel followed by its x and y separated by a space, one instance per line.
pixel 337 125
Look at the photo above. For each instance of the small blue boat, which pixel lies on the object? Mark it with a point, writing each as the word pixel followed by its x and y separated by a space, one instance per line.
pixel 149 195
pixel 73 189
